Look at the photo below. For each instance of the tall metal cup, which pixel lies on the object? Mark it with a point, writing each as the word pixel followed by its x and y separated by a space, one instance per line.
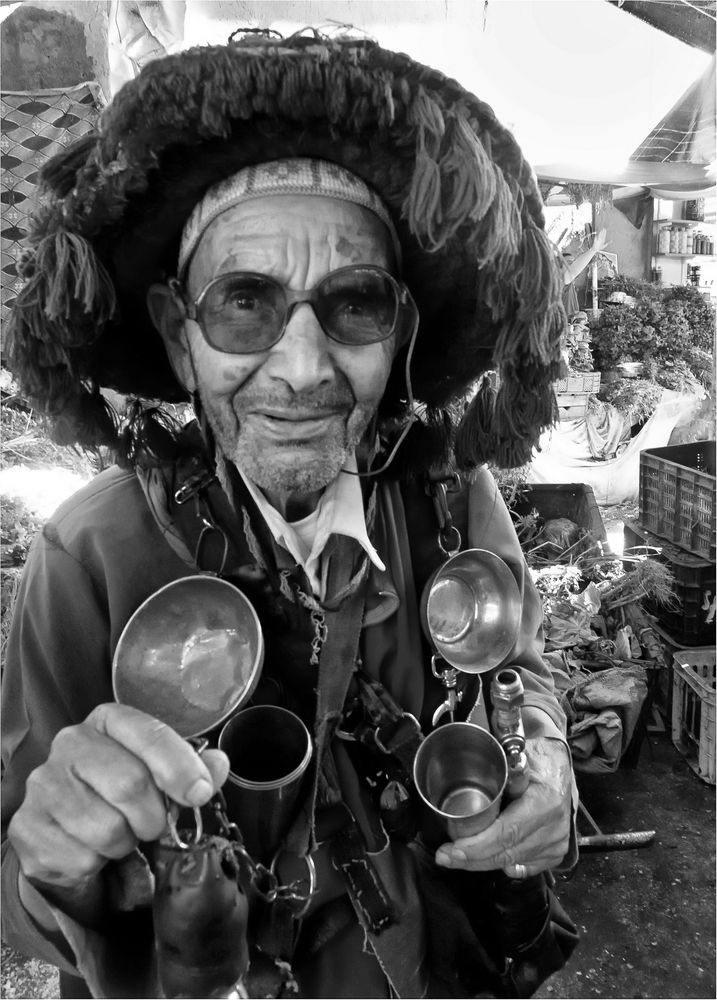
pixel 460 771
pixel 269 749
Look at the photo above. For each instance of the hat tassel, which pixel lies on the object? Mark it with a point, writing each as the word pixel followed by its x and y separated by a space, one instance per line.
pixel 63 272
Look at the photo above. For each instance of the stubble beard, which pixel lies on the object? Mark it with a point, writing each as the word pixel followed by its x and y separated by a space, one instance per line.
pixel 298 469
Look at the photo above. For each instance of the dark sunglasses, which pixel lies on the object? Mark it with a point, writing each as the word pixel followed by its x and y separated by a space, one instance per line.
pixel 244 312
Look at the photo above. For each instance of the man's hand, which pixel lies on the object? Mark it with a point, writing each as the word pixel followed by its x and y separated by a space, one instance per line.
pixel 101 791
pixel 534 830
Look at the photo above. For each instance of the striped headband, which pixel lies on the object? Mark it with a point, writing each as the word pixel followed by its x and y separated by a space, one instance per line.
pixel 291 176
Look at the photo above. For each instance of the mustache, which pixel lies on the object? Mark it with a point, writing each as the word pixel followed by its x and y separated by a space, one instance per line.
pixel 337 396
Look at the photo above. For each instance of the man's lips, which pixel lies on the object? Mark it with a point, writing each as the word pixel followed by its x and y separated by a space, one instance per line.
pixel 295 425
pixel 299 416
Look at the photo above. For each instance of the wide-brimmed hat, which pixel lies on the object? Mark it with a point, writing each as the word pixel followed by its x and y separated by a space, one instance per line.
pixel 463 200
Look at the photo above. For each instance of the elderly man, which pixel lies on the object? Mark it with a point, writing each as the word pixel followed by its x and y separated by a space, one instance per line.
pixel 322 245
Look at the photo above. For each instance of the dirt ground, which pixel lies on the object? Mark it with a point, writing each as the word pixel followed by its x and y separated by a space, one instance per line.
pixel 647 915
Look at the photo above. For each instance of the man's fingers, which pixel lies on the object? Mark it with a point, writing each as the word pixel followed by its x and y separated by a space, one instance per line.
pixel 176 768
pixel 217 763
pixel 48 854
pixel 544 849
pixel 513 826
pixel 110 787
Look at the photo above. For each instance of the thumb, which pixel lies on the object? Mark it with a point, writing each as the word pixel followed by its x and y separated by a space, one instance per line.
pixel 217 763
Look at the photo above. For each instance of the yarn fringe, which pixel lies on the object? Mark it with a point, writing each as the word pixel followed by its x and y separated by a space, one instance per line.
pixel 149 437
pixel 475 438
pixel 85 418
pixel 428 444
pixel 68 292
pixel 504 426
pixel 455 183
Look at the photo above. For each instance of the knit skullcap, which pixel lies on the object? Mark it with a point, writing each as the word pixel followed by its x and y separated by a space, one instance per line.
pixel 303 176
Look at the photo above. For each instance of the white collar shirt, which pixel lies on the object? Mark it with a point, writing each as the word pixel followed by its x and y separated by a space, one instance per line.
pixel 340 511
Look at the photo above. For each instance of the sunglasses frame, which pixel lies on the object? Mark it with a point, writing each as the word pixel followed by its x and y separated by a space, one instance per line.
pixel 404 321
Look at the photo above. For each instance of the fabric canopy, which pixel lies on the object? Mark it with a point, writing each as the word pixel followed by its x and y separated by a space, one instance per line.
pixel 687 132
pixel 578 83
pixel 692 21
pixel 675 159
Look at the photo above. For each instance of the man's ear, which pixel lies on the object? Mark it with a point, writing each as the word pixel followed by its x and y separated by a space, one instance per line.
pixel 167 314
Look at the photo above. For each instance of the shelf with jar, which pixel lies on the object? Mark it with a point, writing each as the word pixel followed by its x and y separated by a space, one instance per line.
pixel 681 238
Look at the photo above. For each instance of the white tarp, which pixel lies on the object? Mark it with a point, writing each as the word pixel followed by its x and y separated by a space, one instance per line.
pixel 565 455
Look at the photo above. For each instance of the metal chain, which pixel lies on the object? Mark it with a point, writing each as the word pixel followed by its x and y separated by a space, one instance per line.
pixel 264 880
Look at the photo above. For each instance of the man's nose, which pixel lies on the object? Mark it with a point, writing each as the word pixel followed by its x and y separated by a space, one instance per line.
pixel 302 358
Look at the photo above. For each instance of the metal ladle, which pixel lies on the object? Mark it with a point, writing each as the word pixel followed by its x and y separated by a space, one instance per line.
pixel 191 656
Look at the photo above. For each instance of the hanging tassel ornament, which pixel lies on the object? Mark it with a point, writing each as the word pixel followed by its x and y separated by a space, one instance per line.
pixel 475 440
pixel 68 291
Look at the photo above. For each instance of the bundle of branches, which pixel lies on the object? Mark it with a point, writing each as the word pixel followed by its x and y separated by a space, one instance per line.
pixel 512 483
pixel 26 441
pixel 650 579
pixel 558 541
pixel 9 586
pixel 19 526
pixel 636 398
pixel 597 194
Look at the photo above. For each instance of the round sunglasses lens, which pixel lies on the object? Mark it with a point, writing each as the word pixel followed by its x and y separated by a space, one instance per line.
pixel 241 313
pixel 357 305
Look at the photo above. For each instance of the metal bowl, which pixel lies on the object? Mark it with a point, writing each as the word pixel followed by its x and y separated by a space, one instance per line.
pixel 190 655
pixel 472 610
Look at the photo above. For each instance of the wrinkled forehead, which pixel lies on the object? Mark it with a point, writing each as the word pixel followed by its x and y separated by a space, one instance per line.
pixel 288 236
pixel 322 183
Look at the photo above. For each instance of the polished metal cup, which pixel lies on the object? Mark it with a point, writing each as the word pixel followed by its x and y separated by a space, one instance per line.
pixel 460 772
pixel 269 749
pixel 471 609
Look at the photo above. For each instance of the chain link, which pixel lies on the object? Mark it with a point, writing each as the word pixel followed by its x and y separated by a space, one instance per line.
pixel 264 880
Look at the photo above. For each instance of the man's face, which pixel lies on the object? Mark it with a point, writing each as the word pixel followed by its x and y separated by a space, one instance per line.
pixel 289 416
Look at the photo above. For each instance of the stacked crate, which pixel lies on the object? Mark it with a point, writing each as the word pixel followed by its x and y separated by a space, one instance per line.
pixel 572 393
pixel 677 526
pixel 693 709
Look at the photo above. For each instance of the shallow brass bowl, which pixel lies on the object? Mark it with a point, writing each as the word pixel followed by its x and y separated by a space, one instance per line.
pixel 472 610
pixel 190 655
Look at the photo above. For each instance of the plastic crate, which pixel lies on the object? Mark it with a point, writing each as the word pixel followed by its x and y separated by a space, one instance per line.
pixel 573 500
pixel 677 495
pixel 693 709
pixel 692 624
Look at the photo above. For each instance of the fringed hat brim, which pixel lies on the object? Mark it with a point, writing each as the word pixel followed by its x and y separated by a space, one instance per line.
pixel 465 204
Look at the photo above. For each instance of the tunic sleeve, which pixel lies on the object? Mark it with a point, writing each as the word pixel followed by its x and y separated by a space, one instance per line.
pixel 490 527
pixel 57 669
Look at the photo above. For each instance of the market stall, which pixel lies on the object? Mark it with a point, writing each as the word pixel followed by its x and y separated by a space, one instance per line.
pixel 626 632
